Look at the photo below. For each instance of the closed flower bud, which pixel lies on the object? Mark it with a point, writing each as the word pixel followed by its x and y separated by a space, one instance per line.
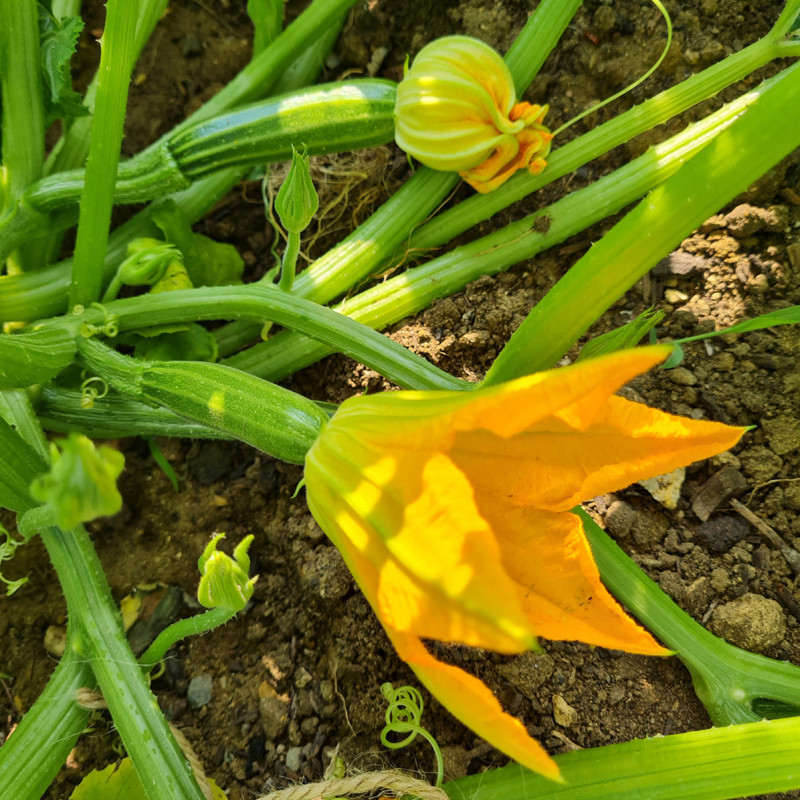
pixel 82 482
pixel 225 581
pixel 297 199
pixel 147 261
pixel 456 110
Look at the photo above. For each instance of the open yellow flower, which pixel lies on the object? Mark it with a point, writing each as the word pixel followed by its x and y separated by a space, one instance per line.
pixel 452 510
pixel 456 110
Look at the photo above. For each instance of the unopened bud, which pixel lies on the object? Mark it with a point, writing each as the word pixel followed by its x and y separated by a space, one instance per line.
pixel 297 199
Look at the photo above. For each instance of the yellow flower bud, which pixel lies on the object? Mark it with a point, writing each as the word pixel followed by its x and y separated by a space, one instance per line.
pixel 456 110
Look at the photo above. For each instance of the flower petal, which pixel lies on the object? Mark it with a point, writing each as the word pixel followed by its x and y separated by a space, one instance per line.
pixel 468 699
pixel 549 557
pixel 555 466
pixel 583 388
pixel 444 581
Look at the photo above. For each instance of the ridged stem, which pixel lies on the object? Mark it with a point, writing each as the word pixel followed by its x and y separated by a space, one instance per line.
pixel 97 199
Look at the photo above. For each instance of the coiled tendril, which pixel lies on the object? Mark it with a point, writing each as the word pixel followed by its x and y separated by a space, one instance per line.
pixel 403 717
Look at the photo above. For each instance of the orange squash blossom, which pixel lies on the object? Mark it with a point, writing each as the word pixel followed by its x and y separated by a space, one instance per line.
pixel 452 510
pixel 456 110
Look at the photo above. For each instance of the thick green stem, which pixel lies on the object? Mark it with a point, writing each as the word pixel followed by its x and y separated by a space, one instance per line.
pixel 274 420
pixel 259 302
pixel 289 262
pixel 417 287
pixel 99 639
pixel 112 417
pixel 116 62
pixel 182 629
pixel 31 758
pixel 727 680
pixel 717 764
pixel 23 108
pixel 741 154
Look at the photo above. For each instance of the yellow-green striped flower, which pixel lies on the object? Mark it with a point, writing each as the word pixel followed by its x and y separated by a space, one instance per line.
pixel 456 110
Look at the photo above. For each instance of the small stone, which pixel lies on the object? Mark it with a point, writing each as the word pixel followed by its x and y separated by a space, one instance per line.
pixel 720 580
pixel 308 727
pixel 620 519
pixel 698 595
pixel 682 376
pixel 302 677
pixel 563 713
pixel 293 758
pixel 604 20
pixel 679 264
pixel 55 640
pixel 751 622
pixel 673 585
pixel 199 692
pixel 675 296
pixel 274 710
pixel 791 496
pixel 760 463
pixel 722 533
pixel 326 690
pixel 744 220
pixel 649 529
pixel 666 489
pixel 783 434
pixel 718 489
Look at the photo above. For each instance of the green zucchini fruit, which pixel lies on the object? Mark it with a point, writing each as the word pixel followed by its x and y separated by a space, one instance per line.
pixel 275 420
pixel 328 118
pixel 325 119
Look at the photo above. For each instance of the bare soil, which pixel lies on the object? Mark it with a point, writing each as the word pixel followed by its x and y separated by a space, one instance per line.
pixel 299 673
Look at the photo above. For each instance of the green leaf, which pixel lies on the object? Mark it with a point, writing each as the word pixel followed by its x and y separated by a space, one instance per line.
pixel 783 316
pixel 627 335
pixel 208 263
pixel 120 782
pixel 19 465
pixel 115 782
pixel 192 343
pixel 58 42
pixel 267 18
pixel 82 482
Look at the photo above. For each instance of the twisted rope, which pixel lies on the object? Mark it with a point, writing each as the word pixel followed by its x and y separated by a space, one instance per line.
pixel 393 782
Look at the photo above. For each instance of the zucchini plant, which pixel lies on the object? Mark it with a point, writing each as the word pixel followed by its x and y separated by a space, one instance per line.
pixel 76 360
